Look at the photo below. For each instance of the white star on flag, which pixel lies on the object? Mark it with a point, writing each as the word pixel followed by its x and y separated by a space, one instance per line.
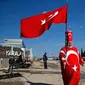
pixel 74 68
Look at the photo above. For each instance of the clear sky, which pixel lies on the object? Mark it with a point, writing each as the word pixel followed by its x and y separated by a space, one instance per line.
pixel 12 11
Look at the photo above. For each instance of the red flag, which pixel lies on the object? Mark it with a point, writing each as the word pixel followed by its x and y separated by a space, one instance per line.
pixel 35 26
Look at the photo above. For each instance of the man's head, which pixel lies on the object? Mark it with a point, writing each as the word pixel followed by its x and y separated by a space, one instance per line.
pixel 45 53
pixel 68 36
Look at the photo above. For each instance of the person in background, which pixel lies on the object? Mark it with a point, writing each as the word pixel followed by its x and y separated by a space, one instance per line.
pixel 11 64
pixel 45 60
pixel 19 61
pixel 70 60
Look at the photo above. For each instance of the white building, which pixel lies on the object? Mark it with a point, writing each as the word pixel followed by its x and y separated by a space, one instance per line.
pixel 14 43
pixel 11 47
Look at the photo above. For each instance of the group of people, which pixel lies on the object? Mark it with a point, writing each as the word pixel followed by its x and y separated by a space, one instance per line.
pixel 19 63
pixel 14 63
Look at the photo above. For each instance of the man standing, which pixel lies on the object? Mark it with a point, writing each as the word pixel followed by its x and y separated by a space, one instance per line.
pixel 70 60
pixel 45 60
pixel 11 64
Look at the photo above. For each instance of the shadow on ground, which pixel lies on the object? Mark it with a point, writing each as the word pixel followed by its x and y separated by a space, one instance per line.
pixel 22 83
pixel 6 76
pixel 53 66
pixel 12 83
pixel 45 72
pixel 31 83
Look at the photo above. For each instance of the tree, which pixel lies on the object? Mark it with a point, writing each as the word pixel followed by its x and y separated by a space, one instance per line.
pixel 81 52
pixel 84 53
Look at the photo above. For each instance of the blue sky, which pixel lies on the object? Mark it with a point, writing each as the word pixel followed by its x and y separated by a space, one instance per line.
pixel 12 11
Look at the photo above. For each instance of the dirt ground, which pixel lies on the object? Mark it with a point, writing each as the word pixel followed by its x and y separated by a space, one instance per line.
pixel 38 75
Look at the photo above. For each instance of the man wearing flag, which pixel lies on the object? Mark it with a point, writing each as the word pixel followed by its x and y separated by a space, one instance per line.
pixel 70 60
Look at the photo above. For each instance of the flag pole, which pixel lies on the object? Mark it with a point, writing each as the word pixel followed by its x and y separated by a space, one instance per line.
pixel 66 24
pixel 67 16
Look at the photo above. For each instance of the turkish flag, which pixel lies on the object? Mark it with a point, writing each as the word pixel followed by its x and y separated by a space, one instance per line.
pixel 35 26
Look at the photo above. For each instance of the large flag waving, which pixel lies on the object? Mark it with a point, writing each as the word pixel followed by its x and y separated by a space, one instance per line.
pixel 35 26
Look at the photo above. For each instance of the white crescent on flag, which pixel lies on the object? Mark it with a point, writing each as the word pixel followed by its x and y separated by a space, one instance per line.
pixel 70 52
pixel 49 17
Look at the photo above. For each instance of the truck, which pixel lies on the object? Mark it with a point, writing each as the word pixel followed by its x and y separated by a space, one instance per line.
pixel 7 52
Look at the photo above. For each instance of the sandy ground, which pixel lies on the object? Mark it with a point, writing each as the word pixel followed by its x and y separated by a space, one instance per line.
pixel 38 76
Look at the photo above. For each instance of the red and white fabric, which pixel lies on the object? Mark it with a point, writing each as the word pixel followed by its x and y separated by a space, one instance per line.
pixel 70 65
pixel 68 35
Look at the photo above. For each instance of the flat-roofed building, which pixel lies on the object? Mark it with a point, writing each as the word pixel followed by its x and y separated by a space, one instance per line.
pixel 11 47
pixel 14 42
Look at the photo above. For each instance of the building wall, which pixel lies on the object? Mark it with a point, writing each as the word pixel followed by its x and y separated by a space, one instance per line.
pixel 14 42
pixel 6 53
pixel 4 63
